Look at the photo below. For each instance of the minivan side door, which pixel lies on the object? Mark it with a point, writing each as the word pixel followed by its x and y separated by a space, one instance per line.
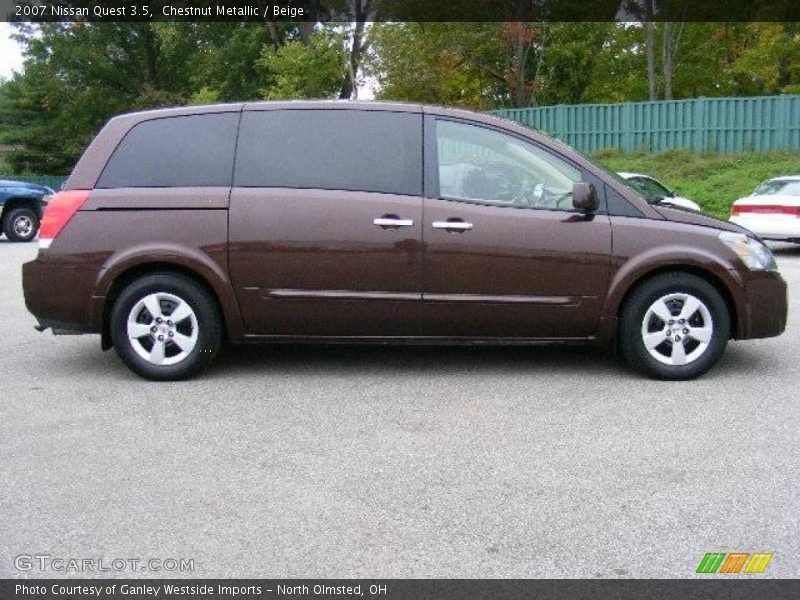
pixel 326 222
pixel 506 254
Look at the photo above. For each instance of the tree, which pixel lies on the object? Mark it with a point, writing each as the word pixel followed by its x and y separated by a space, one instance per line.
pixel 359 45
pixel 310 68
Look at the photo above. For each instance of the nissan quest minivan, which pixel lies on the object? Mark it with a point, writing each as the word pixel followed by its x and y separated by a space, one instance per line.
pixel 374 222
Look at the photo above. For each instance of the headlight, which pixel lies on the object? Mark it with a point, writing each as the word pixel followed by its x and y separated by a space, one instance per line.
pixel 753 253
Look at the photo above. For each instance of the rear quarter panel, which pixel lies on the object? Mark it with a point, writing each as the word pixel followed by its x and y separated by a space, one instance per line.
pixel 120 229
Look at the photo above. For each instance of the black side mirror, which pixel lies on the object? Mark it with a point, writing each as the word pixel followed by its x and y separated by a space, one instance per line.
pixel 583 197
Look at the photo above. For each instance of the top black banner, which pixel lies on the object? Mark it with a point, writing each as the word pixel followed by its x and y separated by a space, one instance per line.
pixel 401 10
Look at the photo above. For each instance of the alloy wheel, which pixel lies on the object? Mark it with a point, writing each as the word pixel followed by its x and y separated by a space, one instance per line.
pixel 677 329
pixel 162 328
pixel 23 226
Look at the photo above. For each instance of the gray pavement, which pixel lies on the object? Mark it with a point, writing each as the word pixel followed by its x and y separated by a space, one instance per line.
pixel 396 462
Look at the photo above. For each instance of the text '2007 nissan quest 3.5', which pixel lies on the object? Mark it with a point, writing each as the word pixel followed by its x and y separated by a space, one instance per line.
pixel 372 222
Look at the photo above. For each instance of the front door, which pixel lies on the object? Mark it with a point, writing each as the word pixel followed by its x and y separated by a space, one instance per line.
pixel 326 222
pixel 506 254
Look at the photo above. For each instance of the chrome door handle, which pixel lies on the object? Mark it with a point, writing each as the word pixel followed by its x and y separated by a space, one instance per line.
pixel 392 222
pixel 452 225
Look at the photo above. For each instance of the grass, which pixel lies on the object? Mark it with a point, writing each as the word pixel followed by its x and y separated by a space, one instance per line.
pixel 714 181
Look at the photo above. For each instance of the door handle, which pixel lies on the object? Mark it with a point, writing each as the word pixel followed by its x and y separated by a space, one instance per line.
pixel 392 221
pixel 452 225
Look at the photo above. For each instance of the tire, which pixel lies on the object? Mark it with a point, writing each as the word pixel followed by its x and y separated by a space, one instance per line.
pixel 686 307
pixel 190 342
pixel 21 224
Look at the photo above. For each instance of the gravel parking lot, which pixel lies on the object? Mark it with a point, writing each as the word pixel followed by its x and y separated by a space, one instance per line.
pixel 397 462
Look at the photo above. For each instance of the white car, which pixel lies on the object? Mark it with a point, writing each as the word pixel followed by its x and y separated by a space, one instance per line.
pixel 656 192
pixel 772 211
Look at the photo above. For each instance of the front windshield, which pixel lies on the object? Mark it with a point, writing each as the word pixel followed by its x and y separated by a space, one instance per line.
pixel 784 187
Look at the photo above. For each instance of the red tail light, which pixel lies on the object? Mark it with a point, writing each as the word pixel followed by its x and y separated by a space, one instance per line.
pixel 765 209
pixel 58 213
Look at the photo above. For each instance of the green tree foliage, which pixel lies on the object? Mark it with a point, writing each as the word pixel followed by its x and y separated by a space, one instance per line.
pixel 305 69
pixel 77 75
pixel 491 65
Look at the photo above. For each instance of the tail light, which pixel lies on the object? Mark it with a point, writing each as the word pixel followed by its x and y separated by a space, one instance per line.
pixel 59 211
pixel 765 209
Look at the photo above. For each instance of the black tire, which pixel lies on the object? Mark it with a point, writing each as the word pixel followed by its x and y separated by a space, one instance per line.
pixel 206 312
pixel 21 224
pixel 636 307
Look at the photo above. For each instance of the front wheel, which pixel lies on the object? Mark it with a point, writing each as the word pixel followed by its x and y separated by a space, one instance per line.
pixel 21 224
pixel 165 326
pixel 674 326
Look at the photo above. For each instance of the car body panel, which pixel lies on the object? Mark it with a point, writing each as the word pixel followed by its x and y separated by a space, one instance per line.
pixel 509 276
pixel 312 262
pixel 112 233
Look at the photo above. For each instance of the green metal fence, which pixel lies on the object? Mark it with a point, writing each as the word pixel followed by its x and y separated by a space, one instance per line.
pixel 51 181
pixel 724 125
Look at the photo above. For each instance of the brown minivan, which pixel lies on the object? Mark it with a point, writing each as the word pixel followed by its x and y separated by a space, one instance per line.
pixel 374 222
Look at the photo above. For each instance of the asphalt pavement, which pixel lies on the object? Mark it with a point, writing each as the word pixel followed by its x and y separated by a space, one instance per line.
pixel 313 461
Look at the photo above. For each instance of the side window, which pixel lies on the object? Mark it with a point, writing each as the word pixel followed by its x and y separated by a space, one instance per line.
pixel 370 151
pixel 488 167
pixel 195 150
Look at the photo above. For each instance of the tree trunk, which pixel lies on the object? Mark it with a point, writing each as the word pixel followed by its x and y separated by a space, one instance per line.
pixel 307 26
pixel 784 64
pixel 152 50
pixel 520 68
pixel 650 49
pixel 349 89
pixel 666 66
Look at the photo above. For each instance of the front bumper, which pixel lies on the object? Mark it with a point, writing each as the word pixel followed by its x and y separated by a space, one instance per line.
pixel 765 307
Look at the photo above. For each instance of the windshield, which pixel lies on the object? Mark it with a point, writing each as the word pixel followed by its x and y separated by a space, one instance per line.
pixel 785 187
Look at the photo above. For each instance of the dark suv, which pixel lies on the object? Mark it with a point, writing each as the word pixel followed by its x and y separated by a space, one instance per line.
pixel 21 207
pixel 371 222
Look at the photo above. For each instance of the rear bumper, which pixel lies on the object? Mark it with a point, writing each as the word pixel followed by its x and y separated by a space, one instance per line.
pixel 770 227
pixel 59 295
pixel 765 306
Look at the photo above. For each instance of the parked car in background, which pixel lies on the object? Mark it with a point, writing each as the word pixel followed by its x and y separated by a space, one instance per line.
pixel 22 205
pixel 370 222
pixel 656 192
pixel 772 211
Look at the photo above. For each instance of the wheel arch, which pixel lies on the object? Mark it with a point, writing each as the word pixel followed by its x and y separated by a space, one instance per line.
pixel 219 290
pixel 722 286
pixel 21 202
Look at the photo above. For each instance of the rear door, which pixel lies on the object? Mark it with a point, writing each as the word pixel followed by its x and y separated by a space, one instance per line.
pixel 506 254
pixel 326 222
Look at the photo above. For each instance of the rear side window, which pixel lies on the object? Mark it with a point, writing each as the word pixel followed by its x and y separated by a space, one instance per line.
pixel 370 151
pixel 195 150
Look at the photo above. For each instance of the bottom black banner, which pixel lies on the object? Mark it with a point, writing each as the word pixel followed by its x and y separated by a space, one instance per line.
pixel 396 589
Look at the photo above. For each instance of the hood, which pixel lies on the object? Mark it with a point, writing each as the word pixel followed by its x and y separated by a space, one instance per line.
pixel 24 185
pixel 680 201
pixel 677 215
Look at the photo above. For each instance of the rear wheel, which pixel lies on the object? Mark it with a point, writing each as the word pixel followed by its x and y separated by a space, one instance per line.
pixel 165 326
pixel 674 326
pixel 20 224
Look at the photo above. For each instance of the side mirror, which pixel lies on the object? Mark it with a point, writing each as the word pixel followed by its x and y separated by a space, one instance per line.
pixel 583 197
